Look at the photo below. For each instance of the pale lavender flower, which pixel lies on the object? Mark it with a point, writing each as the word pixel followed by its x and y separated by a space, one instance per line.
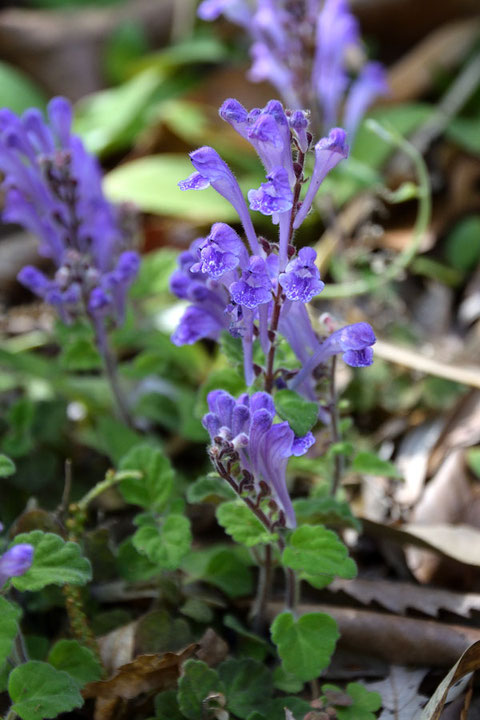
pixel 301 279
pixel 369 85
pixel 16 561
pixel 273 197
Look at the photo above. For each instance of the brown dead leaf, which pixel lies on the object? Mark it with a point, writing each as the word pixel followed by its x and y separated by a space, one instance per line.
pixel 398 597
pixel 469 662
pixel 412 460
pixel 212 648
pixel 117 647
pixel 144 674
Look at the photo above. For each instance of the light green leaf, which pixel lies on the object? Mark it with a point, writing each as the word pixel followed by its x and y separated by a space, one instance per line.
pixel 167 544
pixel 365 703
pixel 7 466
pixel 17 91
pixel 370 464
pixel 248 685
pixel 55 562
pixel 194 686
pixel 209 488
pixel 305 646
pixel 153 490
pixel 240 522
pixel 315 551
pixel 10 615
pixel 151 183
pixel 40 691
pixel 76 660
pixel 300 414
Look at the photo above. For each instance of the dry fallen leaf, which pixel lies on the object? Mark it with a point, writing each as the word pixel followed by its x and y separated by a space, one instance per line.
pixel 146 673
pixel 398 597
pixel 469 662
pixel 412 460
pixel 400 697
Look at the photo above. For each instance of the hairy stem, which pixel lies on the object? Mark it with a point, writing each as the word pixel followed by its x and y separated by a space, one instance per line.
pixel 111 479
pixel 263 590
pixel 338 460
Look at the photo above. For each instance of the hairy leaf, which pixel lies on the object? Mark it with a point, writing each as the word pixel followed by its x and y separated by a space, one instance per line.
pixel 306 645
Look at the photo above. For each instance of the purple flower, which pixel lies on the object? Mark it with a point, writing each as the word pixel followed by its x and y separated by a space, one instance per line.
pixel 263 447
pixel 53 188
pixel 212 170
pixel 237 11
pixel 353 341
pixel 273 197
pixel 255 287
pixel 301 279
pixel 299 122
pixel 221 252
pixel 329 152
pixel 370 84
pixel 15 562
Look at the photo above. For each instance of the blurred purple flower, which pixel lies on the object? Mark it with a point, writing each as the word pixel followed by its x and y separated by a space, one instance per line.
pixel 16 561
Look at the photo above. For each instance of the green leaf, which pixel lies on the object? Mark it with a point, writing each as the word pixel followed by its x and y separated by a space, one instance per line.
pixel 132 565
pixel 232 348
pixel 248 685
pixel 166 706
pixel 365 703
pixel 286 681
pixel 462 245
pixel 76 660
pixel 247 642
pixel 40 691
pixel 300 414
pixel 240 522
pixel 152 184
pixel 315 551
pixel 7 466
pixel 55 562
pixel 20 417
pixel 325 511
pixel 194 686
pixel 209 488
pixel 166 544
pixel 154 489
pixel 296 705
pixel 464 131
pixel 157 632
pixel 305 646
pixel 10 615
pixel 221 568
pixel 369 463
pixel 17 91
pixel 79 355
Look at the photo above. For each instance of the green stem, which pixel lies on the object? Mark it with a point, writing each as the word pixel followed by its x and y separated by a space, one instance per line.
pixel 368 285
pixel 263 590
pixel 111 479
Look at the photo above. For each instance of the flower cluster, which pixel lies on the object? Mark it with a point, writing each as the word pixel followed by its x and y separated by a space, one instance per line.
pixel 251 451
pixel 258 291
pixel 283 34
pixel 53 188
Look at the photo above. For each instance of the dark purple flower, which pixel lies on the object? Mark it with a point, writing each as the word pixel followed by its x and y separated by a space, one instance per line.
pixel 53 188
pixel 221 252
pixel 301 279
pixel 255 287
pixel 197 323
pixel 370 84
pixel 16 561
pixel 264 447
pixel 329 152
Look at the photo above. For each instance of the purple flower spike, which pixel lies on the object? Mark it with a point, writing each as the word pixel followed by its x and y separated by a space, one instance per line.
pixel 274 196
pixel 329 152
pixel 301 279
pixel 255 286
pixel 370 84
pixel 15 562
pixel 221 252
pixel 264 447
